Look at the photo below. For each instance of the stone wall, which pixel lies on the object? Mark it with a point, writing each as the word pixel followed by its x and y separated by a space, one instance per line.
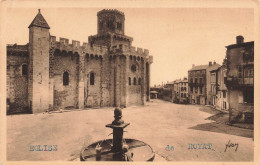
pixel 65 95
pixel 93 92
pixel 17 83
pixel 49 60
pixel 134 91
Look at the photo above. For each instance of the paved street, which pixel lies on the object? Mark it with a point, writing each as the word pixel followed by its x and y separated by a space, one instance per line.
pixel 159 124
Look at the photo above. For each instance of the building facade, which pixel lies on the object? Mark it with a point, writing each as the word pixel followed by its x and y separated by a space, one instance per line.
pixel 222 92
pixel 199 83
pixel 47 74
pixel 176 91
pixel 212 91
pixel 240 80
pixel 180 91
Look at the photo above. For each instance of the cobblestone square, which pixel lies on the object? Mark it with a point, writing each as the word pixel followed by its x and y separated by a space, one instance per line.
pixel 172 130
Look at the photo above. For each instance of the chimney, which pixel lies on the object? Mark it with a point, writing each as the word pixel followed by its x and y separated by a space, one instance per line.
pixel 193 65
pixel 240 39
pixel 214 63
pixel 210 63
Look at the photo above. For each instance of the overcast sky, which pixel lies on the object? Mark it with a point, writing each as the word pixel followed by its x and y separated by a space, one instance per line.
pixel 176 37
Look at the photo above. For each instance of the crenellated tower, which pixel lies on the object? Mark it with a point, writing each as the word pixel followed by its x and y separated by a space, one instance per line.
pixel 106 71
pixel 111 21
pixel 111 30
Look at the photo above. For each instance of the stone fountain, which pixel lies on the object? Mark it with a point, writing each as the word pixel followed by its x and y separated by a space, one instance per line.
pixel 118 148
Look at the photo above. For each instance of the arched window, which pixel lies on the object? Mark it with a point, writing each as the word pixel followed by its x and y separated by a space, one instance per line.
pixel 66 78
pixel 139 81
pixel 134 81
pixel 92 78
pixel 129 80
pixel 24 70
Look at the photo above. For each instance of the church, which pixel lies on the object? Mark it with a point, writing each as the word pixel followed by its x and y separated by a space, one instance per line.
pixel 50 74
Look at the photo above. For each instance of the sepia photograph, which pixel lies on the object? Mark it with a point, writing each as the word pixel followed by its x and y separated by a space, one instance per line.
pixel 123 83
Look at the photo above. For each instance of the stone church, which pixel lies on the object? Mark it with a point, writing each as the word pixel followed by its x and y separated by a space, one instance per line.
pixel 50 74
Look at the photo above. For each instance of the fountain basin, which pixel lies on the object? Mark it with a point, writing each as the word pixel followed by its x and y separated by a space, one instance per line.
pixel 141 151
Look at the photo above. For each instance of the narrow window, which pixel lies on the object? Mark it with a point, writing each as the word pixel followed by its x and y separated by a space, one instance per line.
pixel 65 78
pixel 200 90
pixel 134 81
pixel 119 25
pixel 129 80
pixel 200 80
pixel 24 70
pixel 92 78
pixel 224 94
pixel 239 72
pixel 139 81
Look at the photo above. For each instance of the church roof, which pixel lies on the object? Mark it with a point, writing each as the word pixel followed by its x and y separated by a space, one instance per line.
pixel 39 21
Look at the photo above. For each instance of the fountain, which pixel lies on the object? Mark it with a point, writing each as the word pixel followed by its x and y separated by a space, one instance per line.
pixel 118 148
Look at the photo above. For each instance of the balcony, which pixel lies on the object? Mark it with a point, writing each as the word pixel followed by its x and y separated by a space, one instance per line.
pixel 239 82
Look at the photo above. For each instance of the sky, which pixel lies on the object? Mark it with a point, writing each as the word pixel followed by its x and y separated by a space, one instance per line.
pixel 175 37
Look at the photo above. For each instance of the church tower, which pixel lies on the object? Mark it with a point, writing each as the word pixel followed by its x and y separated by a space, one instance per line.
pixel 111 21
pixel 38 76
pixel 111 30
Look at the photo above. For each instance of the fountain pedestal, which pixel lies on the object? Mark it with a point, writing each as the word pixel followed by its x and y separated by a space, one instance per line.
pixel 118 148
pixel 118 131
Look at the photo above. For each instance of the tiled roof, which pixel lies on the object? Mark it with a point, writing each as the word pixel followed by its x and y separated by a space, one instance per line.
pixel 199 67
pixel 214 67
pixel 240 45
pixel 39 21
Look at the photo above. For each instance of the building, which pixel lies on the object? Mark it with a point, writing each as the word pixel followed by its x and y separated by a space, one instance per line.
pixel 176 91
pixel 199 83
pixel 154 94
pixel 240 80
pixel 222 93
pixel 212 91
pixel 211 88
pixel 183 91
pixel 169 85
pixel 47 74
